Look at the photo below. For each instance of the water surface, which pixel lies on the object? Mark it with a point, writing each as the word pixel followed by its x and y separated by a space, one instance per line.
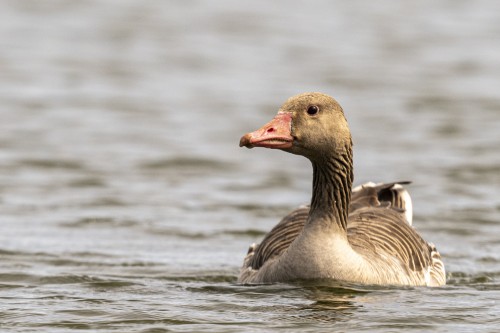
pixel 127 205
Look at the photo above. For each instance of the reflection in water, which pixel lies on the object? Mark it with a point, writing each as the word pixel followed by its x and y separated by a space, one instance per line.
pixel 331 301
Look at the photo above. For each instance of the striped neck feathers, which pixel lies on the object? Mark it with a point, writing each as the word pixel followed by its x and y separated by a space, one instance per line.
pixel 332 186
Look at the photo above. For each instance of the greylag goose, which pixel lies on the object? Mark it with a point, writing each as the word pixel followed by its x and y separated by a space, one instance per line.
pixel 362 235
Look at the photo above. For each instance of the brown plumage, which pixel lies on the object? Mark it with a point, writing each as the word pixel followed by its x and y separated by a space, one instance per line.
pixel 361 235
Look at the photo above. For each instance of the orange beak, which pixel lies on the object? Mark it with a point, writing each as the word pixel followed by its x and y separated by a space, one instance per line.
pixel 275 134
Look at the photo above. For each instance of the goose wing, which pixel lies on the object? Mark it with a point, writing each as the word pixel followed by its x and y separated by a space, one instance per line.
pixel 278 239
pixel 375 230
pixel 383 234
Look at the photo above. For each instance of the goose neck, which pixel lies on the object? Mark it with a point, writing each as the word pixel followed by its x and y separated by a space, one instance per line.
pixel 332 186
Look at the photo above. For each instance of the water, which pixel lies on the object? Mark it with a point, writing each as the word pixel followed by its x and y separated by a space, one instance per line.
pixel 127 205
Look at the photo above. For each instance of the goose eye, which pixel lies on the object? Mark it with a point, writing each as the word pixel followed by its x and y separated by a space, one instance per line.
pixel 312 110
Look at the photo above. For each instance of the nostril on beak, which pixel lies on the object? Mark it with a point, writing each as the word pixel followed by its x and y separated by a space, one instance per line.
pixel 270 130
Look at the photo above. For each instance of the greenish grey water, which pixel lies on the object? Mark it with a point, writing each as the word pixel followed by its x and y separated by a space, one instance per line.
pixel 127 205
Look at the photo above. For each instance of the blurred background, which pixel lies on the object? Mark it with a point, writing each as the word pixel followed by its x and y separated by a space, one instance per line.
pixel 125 201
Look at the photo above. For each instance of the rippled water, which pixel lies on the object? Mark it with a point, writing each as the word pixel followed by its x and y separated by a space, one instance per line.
pixel 127 205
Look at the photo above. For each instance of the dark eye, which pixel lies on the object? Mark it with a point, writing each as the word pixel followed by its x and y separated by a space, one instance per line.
pixel 312 110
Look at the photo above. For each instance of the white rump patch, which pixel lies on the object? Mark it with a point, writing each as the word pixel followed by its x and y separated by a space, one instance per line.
pixel 407 202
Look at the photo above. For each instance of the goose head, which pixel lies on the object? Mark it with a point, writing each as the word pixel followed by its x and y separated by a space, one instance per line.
pixel 310 124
